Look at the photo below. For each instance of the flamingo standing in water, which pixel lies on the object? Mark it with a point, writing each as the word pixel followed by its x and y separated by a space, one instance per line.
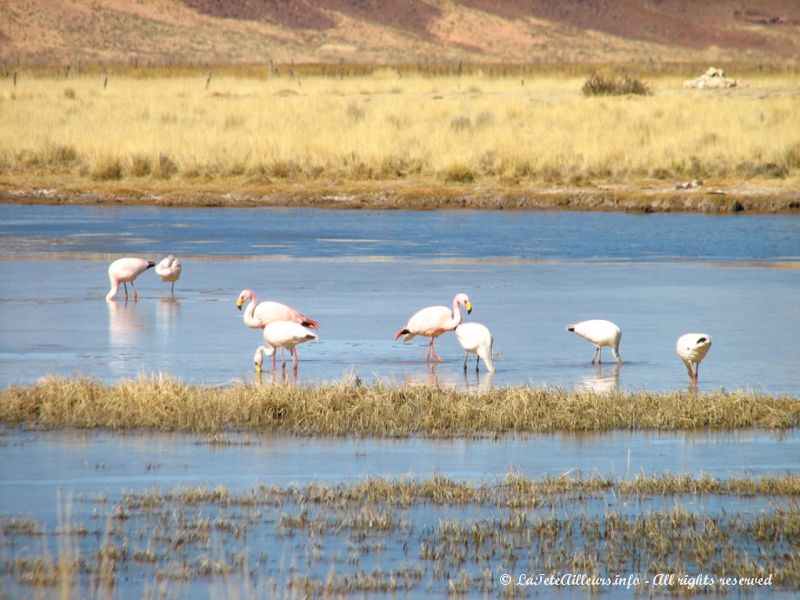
pixel 169 269
pixel 433 321
pixel 692 348
pixel 124 270
pixel 600 333
pixel 260 314
pixel 282 334
pixel 477 339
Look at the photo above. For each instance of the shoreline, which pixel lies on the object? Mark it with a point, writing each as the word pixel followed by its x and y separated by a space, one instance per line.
pixel 405 195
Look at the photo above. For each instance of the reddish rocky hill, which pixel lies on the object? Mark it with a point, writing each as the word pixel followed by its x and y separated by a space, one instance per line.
pixel 392 31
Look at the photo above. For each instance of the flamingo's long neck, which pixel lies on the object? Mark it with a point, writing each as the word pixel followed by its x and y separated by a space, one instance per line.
pixel 456 313
pixel 249 313
pixel 114 287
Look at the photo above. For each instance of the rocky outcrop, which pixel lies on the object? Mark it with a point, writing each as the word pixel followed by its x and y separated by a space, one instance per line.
pixel 712 79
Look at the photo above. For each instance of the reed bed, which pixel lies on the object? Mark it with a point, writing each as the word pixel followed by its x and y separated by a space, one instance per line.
pixel 163 403
pixel 256 134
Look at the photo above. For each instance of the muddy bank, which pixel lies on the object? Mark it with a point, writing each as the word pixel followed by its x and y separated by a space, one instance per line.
pixel 391 195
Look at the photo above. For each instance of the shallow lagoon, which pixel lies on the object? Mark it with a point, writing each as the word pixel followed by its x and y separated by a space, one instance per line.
pixel 363 273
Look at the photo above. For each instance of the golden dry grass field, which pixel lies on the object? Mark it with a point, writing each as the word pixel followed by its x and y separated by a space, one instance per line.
pixel 391 130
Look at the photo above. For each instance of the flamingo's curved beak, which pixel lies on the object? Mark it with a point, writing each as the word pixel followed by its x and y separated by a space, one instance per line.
pixel 258 369
pixel 239 303
pixel 468 306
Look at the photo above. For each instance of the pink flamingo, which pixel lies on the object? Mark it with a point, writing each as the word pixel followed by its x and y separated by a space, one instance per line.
pixel 282 334
pixel 124 270
pixel 433 321
pixel 260 314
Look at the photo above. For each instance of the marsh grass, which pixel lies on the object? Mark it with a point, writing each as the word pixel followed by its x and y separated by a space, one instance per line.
pixel 514 490
pixel 160 402
pixel 392 124
pixel 346 538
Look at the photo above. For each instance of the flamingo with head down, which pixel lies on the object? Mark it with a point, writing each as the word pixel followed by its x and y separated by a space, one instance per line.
pixel 260 314
pixel 282 334
pixel 476 338
pixel 125 270
pixel 433 321
pixel 692 348
pixel 599 332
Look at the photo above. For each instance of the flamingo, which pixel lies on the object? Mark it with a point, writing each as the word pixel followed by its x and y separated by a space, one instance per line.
pixel 600 333
pixel 282 334
pixel 477 339
pixel 260 314
pixel 433 321
pixel 124 270
pixel 692 348
pixel 169 269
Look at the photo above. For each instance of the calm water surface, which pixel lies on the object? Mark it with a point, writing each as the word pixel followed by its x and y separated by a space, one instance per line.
pixel 363 273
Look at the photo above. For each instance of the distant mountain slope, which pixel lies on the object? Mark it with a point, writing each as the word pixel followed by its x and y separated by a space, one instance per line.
pixel 239 31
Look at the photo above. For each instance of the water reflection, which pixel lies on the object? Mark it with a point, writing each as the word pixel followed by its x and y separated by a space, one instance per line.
pixel 428 376
pixel 167 313
pixel 604 380
pixel 125 324
pixel 484 381
pixel 278 375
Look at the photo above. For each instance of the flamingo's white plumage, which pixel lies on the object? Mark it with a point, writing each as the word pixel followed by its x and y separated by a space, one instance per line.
pixel 169 269
pixel 600 333
pixel 476 338
pixel 692 348
pixel 433 321
pixel 282 334
pixel 124 271
pixel 260 314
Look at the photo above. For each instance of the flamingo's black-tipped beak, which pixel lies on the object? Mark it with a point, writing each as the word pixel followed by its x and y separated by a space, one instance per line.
pixel 239 303
pixel 150 264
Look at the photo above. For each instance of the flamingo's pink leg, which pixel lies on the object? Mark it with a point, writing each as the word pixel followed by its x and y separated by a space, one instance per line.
pixel 433 351
pixel 295 358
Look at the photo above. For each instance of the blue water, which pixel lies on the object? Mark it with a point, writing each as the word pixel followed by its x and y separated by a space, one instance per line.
pixel 528 276
pixel 304 233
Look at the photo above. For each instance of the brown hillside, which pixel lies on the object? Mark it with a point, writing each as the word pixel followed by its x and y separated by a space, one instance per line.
pixel 375 31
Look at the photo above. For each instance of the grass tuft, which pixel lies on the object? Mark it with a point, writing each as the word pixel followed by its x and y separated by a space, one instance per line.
pixel 107 168
pixel 598 85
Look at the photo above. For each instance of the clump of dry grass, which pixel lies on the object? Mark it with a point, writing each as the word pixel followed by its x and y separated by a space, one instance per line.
pixel 599 85
pixel 379 410
pixel 107 168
